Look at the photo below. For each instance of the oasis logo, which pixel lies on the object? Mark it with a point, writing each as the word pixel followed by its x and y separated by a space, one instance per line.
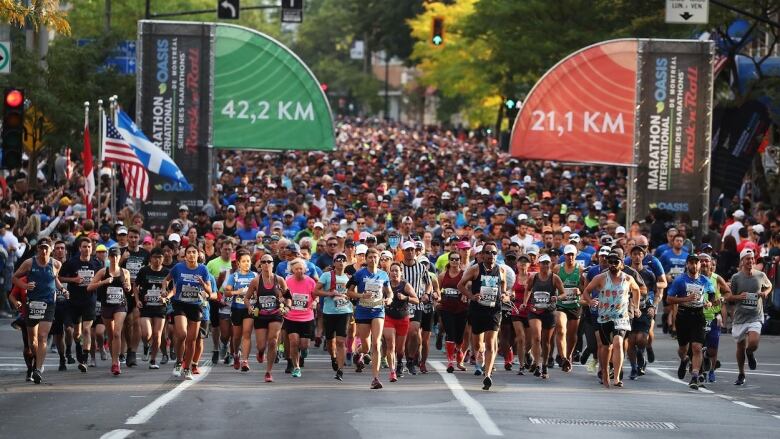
pixel 674 207
pixel 162 65
pixel 661 78
pixel 172 187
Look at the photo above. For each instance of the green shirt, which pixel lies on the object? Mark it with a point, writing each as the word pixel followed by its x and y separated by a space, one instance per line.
pixel 217 266
pixel 570 280
pixel 711 312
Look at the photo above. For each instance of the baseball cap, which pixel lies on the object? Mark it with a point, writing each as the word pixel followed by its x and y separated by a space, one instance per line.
pixel 620 230
pixel 423 259
pixel 294 248
pixel 148 239
pixel 101 248
pixel 463 245
pixel 606 240
pixel 208 235
pixel 532 249
pixel 253 199
pixel 704 257
pixel 522 217
pixel 114 251
pixel 638 248
pixel 565 229
pixel 746 252
pixel 349 243
pixel 319 225
pixel 174 237
pixel 570 249
pixel 501 211
pixel 363 236
pixel 407 245
pixel 184 207
pixel 739 213
pixel 446 196
pixel 604 251
pixel 277 225
pixel 289 212
pixel 386 254
pixel 758 228
pixel 361 249
pixel 597 205
pixel 121 231
pixel 331 192
pixel 341 234
pixel 571 218
pixel 574 237
pixel 544 258
pixel 617 251
pixel 695 257
pixel 231 207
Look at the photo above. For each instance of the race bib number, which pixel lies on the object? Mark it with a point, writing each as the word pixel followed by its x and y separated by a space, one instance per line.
pixel 190 293
pixel 374 288
pixel 580 262
pixel 488 296
pixel 426 307
pixel 86 277
pixel 450 293
pixel 60 296
pixel 751 300
pixel 36 310
pixel 300 302
pixel 695 291
pixel 133 266
pixel 411 308
pixel 675 271
pixel 98 308
pixel 154 296
pixel 340 301
pixel 541 299
pixel 266 303
pixel 238 299
pixel 570 296
pixel 623 324
pixel 115 295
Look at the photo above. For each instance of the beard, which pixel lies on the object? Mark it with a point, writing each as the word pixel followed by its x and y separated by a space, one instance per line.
pixel 613 269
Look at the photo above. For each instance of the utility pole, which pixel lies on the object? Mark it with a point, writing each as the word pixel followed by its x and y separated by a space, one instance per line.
pixel 387 85
pixel 107 21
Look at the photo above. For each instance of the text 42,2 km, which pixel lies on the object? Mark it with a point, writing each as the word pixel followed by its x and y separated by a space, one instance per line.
pixel 592 122
pixel 268 110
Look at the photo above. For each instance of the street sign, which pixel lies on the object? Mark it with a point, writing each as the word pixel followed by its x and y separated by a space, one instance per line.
pixel 121 59
pixel 687 11
pixel 292 11
pixel 357 50
pixel 5 57
pixel 228 9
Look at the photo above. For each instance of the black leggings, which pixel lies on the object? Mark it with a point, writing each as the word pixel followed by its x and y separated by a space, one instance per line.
pixel 454 325
pixel 589 328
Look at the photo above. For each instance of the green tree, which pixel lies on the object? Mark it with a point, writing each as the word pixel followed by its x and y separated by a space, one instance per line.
pixel 38 13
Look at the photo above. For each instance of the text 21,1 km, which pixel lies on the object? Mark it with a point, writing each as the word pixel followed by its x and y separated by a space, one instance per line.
pixel 267 110
pixel 592 122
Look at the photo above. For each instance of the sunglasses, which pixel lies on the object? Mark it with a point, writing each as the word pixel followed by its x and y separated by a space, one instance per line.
pixel 490 253
pixel 266 262
pixel 360 223
pixel 332 244
pixel 340 260
pixel 455 259
pixel 613 261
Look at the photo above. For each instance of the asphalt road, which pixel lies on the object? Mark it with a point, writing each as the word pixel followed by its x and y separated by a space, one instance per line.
pixel 223 402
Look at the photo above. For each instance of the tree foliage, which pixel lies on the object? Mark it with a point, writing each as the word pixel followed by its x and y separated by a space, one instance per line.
pixel 38 13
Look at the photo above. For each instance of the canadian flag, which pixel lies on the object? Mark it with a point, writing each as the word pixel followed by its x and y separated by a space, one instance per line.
pixel 89 186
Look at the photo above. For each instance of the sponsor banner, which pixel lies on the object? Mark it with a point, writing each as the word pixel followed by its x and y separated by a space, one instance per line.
pixel 583 109
pixel 673 129
pixel 174 110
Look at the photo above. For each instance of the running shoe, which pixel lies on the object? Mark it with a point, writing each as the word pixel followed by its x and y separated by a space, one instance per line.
pixel 29 375
pixel 244 366
pixel 559 360
pixel 195 370
pixel 375 384
pixel 37 376
pixel 591 365
pixel 584 357
pixel 334 364
pixel 214 357
pixel 131 359
pixel 92 362
pixel 71 360
pixel 359 364
pixel 223 348
pixel 83 367
pixel 103 356
pixel 236 362
pixel 366 359
pixel 146 353
pixel 694 384
pixel 116 369
pixel 702 380
pixel 439 341
pixel 177 370
pixel 227 359
pixel 339 375
pixel 450 367
pixel 296 373
pixel 188 374
pixel 317 342
pixel 122 358
pixel 544 373
pixel 260 357
pixel 461 367
pixel 551 363
pixel 751 358
pixel 633 374
pixel 399 369
pixel 164 359
pixel 507 366
pixel 384 363
pixel 153 365
pixel 478 370
pixel 711 377
pixel 62 367
pixel 537 371
pixel 423 369
pixel 521 371
pixel 566 365
pixel 486 383
pixel 268 378
pixel 739 382
pixel 640 360
pixel 472 360
pixel 683 368
pixel 393 377
pixel 289 367
pixel 576 356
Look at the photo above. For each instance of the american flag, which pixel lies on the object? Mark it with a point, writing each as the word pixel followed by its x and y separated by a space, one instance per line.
pixel 117 150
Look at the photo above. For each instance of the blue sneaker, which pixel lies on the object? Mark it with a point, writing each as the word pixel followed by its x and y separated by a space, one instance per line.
pixel 296 373
pixel 477 370
pixel 634 373
pixel 711 376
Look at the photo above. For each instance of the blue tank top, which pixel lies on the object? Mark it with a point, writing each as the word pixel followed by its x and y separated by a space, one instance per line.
pixel 239 281
pixel 43 276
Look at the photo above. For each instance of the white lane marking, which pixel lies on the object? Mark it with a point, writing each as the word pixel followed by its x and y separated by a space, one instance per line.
pixel 725 397
pixel 150 410
pixel 472 405
pixel 744 404
pixel 731 371
pixel 776 416
pixel 663 374
pixel 117 434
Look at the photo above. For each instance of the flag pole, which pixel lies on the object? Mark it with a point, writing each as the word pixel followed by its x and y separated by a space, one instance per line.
pixel 87 198
pixel 101 114
pixel 112 109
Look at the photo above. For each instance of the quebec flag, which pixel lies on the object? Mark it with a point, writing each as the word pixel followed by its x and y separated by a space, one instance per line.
pixel 153 158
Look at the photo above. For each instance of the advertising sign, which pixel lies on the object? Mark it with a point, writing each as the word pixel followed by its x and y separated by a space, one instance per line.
pixel 674 129
pixel 174 109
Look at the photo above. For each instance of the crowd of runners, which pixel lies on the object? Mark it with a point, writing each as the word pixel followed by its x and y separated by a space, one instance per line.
pixel 400 242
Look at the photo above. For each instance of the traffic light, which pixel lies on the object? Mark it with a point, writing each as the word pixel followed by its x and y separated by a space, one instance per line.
pixel 13 127
pixel 437 34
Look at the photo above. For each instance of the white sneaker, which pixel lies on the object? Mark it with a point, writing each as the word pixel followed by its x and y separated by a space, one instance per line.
pixel 177 370
pixel 187 374
pixel 153 366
